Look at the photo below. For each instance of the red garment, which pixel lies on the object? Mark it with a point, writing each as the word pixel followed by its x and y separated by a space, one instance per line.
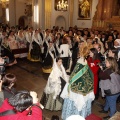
pixel 95 70
pixel 36 113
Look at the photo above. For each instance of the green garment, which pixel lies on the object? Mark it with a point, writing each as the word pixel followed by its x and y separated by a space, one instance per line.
pixel 81 79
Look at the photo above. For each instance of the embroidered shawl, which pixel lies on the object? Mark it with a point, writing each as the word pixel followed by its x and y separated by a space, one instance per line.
pixel 54 81
pixel 81 79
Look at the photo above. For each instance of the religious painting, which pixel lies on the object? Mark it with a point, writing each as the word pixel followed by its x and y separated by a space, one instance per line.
pixel 60 5
pixel 84 9
pixel 28 10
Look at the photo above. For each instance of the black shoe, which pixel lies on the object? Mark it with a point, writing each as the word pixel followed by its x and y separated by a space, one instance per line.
pixel 102 111
pixel 106 118
pixel 96 97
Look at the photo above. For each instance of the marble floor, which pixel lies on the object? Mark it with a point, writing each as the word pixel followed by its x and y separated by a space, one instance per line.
pixel 30 77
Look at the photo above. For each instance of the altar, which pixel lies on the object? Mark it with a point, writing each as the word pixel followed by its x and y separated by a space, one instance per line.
pixel 113 23
pixel 107 15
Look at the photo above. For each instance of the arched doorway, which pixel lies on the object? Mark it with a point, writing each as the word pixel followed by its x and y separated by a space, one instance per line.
pixel 22 21
pixel 60 22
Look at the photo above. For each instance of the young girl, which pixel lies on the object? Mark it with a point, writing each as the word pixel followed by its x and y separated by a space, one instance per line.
pixel 110 85
pixel 93 62
pixel 51 97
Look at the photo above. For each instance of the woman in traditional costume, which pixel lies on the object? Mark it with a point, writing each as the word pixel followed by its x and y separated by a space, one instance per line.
pixel 47 39
pixel 7 54
pixel 13 44
pixel 57 79
pixel 78 93
pixel 35 47
pixel 22 42
pixel 49 58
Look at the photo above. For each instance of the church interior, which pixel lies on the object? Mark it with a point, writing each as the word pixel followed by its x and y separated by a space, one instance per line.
pixel 87 19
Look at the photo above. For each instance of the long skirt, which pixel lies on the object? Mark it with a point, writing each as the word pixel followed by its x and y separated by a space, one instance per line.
pixel 53 104
pixel 69 109
pixel 8 53
pixel 35 53
pixel 65 62
pixel 47 64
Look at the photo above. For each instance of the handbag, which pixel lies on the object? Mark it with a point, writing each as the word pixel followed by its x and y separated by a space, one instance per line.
pixel 107 92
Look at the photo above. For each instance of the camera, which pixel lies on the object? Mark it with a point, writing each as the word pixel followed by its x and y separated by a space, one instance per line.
pixel 102 64
pixel 2 66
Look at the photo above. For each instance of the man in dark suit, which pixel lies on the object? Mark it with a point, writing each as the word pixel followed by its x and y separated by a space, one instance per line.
pixel 103 38
pixel 115 34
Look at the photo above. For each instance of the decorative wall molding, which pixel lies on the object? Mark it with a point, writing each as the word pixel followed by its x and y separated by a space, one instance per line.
pixel 48 10
pixel 71 10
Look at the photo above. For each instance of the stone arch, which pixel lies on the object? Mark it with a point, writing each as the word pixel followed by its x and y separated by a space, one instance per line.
pixel 60 21
pixel 22 21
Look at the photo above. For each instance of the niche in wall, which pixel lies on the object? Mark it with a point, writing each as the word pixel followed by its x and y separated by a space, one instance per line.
pixel 22 21
pixel 60 22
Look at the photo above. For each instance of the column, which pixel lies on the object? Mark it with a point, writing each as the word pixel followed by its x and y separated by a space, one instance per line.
pixel 107 9
pixel 48 10
pixel 12 12
pixel 71 9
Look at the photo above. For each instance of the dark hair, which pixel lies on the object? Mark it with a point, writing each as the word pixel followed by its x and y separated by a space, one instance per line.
pixel 95 41
pixel 21 101
pixel 110 45
pixel 115 51
pixel 10 32
pixel 58 58
pixel 8 79
pixel 95 53
pixel 55 117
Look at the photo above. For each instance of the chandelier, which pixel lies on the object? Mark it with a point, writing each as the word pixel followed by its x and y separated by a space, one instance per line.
pixel 28 2
pixel 4 2
pixel 62 6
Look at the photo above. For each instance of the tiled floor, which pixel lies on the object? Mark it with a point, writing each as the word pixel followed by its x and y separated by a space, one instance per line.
pixel 30 77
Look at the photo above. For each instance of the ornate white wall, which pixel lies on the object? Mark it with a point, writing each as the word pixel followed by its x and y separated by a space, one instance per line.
pixel 56 14
pixel 48 15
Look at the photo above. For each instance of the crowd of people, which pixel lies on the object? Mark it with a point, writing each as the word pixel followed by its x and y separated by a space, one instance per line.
pixel 80 63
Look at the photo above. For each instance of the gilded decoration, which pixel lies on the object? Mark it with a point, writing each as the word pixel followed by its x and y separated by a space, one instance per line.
pixel 84 9
pixel 61 5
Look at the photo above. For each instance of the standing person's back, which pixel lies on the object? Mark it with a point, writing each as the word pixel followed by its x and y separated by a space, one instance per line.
pixel 65 52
